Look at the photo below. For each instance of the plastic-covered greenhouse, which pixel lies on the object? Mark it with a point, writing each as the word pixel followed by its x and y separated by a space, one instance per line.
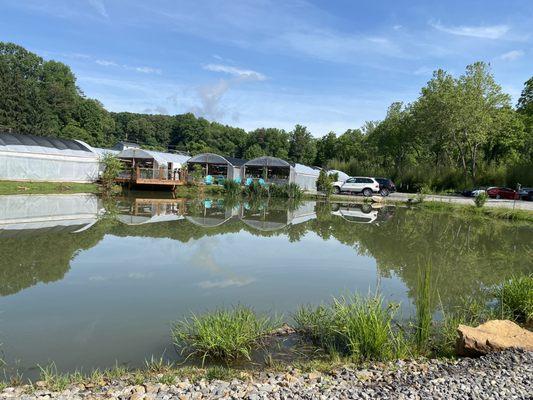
pixel 277 171
pixel 154 164
pixel 214 164
pixel 40 158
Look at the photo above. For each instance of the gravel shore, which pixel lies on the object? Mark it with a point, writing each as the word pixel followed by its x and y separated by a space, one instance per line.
pixel 506 375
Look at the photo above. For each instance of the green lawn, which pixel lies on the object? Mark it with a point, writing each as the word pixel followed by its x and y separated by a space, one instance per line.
pixel 9 187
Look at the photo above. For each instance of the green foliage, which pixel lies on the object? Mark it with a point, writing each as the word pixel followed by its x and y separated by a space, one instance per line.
pixel 424 309
pixel 355 326
pixel 286 191
pixel 324 183
pixel 302 146
pixel 112 168
pixel 256 190
pixel 481 199
pixel 197 174
pixel 225 334
pixel 232 188
pixel 515 297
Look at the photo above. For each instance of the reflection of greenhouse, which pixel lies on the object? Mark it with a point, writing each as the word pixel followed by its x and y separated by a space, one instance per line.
pixel 29 212
pixel 209 214
pixel 146 211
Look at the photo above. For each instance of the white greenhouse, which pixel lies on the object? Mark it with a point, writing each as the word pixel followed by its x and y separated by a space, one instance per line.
pixel 40 158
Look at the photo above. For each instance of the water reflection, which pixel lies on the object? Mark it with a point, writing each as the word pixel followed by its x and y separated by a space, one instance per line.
pixel 120 277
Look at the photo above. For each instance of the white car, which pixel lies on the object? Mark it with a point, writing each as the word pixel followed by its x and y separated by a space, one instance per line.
pixel 357 214
pixel 357 184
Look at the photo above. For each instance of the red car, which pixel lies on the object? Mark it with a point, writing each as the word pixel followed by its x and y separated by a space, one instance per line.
pixel 503 193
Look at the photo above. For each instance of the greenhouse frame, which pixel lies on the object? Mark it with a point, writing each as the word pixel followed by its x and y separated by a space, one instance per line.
pixel 41 158
pixel 217 165
pixel 276 171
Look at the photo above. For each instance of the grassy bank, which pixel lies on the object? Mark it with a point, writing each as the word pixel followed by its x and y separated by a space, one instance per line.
pixel 10 187
pixel 465 210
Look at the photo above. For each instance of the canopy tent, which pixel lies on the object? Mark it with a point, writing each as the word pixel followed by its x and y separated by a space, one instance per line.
pixel 271 169
pixel 214 164
pixel 40 158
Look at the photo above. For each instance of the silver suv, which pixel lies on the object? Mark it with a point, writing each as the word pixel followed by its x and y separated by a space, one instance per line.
pixel 357 184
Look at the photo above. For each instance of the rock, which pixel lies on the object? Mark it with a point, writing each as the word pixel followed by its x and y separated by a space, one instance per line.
pixel 284 329
pixel 313 376
pixel 496 335
pixel 376 199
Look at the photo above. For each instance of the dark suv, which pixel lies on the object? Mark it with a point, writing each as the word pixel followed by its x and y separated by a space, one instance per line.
pixel 386 186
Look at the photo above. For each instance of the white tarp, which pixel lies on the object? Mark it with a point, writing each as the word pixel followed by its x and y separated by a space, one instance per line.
pixel 305 177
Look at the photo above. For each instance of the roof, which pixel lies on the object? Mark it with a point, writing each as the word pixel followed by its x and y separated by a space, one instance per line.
pixel 267 161
pixel 17 142
pixel 212 158
pixel 160 157
pixel 342 175
pixel 101 152
pixel 124 145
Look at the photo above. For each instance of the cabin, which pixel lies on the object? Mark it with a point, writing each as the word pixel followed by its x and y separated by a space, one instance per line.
pixel 46 159
pixel 273 170
pixel 149 167
pixel 219 167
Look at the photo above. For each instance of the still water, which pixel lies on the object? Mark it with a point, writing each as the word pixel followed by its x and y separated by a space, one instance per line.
pixel 87 284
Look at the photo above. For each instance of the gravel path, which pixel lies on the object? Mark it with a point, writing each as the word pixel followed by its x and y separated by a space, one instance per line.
pixel 506 375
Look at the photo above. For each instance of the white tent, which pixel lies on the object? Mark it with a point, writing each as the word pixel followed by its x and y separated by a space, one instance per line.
pixel 40 158
pixel 305 177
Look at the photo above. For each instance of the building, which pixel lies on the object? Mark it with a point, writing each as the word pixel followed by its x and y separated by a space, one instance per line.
pixel 152 167
pixel 41 158
pixel 274 170
pixel 217 166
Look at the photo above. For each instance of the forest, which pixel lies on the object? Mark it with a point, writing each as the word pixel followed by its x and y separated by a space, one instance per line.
pixel 460 131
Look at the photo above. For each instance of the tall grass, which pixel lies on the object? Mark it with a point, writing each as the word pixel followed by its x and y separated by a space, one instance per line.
pixel 232 188
pixel 226 334
pixel 515 298
pixel 354 326
pixel 424 309
pixel 287 191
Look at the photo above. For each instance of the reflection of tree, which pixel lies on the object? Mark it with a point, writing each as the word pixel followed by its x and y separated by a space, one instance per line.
pixel 42 255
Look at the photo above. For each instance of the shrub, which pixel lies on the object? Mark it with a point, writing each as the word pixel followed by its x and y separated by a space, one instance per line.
pixel 515 298
pixel 226 334
pixel 481 199
pixel 287 191
pixel 255 189
pixel 354 326
pixel 197 174
pixel 231 187
pixel 324 183
pixel 112 167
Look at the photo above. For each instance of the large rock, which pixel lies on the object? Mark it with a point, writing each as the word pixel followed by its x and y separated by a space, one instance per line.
pixel 496 335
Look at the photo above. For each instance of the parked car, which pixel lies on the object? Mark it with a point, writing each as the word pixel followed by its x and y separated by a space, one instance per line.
pixel 358 184
pixel 502 193
pixel 526 194
pixel 386 186
pixel 475 191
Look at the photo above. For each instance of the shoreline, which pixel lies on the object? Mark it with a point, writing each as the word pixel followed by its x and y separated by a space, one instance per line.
pixel 496 375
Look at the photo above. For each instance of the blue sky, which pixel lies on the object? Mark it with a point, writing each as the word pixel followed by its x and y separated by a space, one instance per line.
pixel 330 65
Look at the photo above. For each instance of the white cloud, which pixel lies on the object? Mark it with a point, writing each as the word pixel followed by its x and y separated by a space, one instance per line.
pixel 106 63
pixel 99 7
pixel 511 55
pixel 484 32
pixel 225 283
pixel 146 70
pixel 240 73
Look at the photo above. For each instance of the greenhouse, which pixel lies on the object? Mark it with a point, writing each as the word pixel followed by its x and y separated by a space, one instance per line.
pixel 219 167
pixel 153 165
pixel 40 158
pixel 273 170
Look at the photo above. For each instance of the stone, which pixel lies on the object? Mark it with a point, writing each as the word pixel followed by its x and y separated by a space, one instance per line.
pixel 495 335
pixel 313 376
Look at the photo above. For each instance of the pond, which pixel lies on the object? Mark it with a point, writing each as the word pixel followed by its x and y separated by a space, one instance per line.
pixel 88 284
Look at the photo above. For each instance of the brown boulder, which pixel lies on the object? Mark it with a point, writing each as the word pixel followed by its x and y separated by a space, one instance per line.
pixel 496 335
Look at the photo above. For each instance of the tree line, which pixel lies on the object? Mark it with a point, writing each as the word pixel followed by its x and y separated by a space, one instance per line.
pixel 460 130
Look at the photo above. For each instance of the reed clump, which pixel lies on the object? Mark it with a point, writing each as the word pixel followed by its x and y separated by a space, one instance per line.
pixel 515 298
pixel 225 334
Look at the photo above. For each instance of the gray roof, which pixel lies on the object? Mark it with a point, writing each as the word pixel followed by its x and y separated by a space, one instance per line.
pixel 267 161
pixel 160 157
pixel 211 158
pixel 17 142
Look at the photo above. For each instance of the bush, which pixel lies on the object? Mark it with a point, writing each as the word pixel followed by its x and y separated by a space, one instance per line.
pixel 226 334
pixel 255 189
pixel 112 168
pixel 287 191
pixel 515 298
pixel 481 199
pixel 354 326
pixel 231 187
pixel 324 183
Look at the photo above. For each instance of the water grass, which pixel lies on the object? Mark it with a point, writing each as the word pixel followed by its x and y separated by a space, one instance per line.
pixel 515 298
pixel 11 187
pixel 355 326
pixel 424 309
pixel 225 334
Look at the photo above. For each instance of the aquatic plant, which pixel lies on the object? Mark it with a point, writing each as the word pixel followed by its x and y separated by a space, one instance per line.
pixel 424 311
pixel 355 326
pixel 232 188
pixel 286 191
pixel 256 190
pixel 515 298
pixel 225 334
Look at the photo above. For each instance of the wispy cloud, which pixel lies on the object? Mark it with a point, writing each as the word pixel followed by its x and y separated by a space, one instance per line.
pixel 241 73
pixel 225 283
pixel 141 69
pixel 480 31
pixel 511 55
pixel 99 7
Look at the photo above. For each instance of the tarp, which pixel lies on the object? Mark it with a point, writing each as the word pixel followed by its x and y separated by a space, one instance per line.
pixel 161 158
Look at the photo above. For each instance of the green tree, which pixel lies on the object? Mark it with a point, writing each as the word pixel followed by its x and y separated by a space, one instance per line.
pixel 253 151
pixel 302 146
pixel 326 149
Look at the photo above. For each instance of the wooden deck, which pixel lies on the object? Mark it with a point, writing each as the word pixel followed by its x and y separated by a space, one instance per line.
pixel 150 178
